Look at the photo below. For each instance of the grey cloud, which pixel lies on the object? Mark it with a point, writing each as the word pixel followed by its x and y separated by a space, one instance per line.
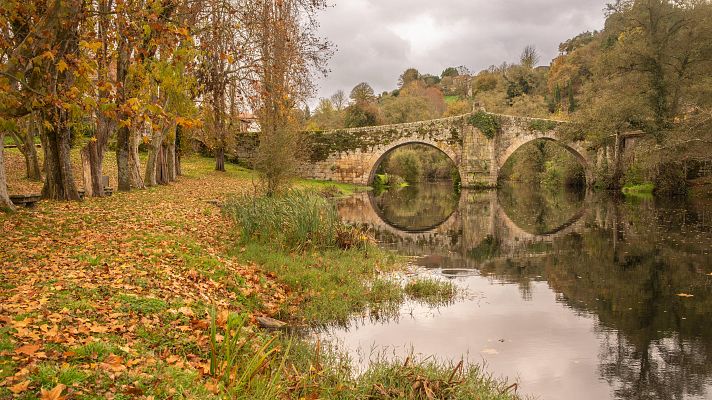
pixel 473 33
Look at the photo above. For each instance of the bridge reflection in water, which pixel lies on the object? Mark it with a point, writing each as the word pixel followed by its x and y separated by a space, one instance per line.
pixel 576 295
pixel 433 219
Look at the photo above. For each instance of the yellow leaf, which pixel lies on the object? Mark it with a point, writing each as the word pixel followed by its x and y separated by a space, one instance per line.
pixel 54 394
pixel 62 66
pixel 684 295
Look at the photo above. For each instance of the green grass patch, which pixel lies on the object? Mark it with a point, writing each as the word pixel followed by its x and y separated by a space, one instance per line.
pixel 643 191
pixel 334 284
pixel 333 189
pixel 451 99
pixel 412 378
pixel 431 291
pixel 643 188
pixel 49 375
pixel 142 305
pixel 95 351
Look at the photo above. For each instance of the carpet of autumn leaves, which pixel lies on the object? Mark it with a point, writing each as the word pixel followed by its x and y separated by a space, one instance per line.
pixel 108 298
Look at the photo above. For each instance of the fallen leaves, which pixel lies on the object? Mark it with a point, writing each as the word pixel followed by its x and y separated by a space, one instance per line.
pixel 28 349
pixel 54 394
pixel 20 387
pixel 114 363
pixel 67 265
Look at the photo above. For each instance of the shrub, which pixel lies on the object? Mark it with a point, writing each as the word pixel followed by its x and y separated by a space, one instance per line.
pixel 488 124
pixel 431 291
pixel 670 179
pixel 542 125
pixel 295 220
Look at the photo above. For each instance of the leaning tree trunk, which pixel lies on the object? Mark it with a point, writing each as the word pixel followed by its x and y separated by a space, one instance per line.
pixel 31 160
pixel 86 173
pixel 26 144
pixel 5 203
pixel 59 180
pixel 135 178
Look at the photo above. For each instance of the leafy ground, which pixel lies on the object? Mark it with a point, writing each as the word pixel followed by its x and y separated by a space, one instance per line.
pixel 136 296
pixel 109 296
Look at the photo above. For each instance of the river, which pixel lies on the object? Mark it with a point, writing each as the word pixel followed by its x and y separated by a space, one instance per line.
pixel 572 295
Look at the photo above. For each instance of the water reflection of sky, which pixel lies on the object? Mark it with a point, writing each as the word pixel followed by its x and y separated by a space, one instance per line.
pixel 590 315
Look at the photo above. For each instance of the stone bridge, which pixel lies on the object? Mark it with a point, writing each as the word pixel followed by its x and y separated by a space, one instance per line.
pixel 353 155
pixel 478 224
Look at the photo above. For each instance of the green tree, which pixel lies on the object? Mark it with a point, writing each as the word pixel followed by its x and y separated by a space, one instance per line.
pixel 408 76
pixel 449 71
pixel 362 114
pixel 363 92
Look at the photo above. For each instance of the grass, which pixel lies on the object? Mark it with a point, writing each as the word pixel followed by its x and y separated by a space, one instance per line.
pixel 335 189
pixel 295 220
pixel 329 285
pixel 644 191
pixel 451 99
pixel 326 374
pixel 643 188
pixel 431 291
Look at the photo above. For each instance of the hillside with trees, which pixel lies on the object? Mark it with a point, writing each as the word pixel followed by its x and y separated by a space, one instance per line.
pixel 646 71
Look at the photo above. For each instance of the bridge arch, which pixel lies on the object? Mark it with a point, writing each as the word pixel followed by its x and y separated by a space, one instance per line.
pixel 575 149
pixel 453 152
pixel 446 221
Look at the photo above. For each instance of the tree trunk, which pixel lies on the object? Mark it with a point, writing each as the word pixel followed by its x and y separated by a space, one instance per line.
pixel 123 136
pixel 162 165
pixel 26 144
pixel 135 179
pixel 220 159
pixel 34 171
pixel 86 172
pixel 171 160
pixel 5 203
pixel 179 132
pixel 92 159
pixel 59 180
pixel 153 154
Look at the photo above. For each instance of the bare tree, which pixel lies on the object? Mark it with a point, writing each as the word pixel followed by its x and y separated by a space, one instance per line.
pixel 339 100
pixel 290 53
pixel 530 57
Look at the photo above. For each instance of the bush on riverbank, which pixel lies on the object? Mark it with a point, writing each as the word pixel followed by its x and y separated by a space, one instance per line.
pixel 332 268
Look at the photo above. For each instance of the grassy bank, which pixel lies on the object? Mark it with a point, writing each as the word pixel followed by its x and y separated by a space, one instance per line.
pixel 155 294
pixel 643 189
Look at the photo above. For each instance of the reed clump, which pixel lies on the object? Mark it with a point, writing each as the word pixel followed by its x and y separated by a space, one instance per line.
pixel 295 220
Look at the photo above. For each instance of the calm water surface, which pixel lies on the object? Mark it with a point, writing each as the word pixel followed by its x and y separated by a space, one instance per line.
pixel 574 296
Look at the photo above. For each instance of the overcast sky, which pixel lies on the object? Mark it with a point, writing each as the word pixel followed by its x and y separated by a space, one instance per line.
pixel 377 40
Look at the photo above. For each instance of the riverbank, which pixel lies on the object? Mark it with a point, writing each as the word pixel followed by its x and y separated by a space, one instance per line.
pixel 136 296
